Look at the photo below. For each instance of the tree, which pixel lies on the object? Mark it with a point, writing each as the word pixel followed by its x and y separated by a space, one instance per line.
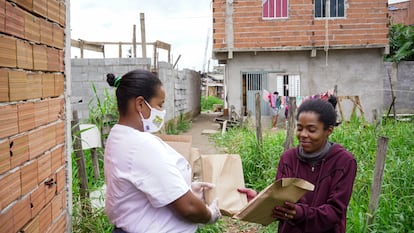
pixel 401 43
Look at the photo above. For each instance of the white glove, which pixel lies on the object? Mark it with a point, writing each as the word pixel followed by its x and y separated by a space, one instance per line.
pixel 198 189
pixel 214 211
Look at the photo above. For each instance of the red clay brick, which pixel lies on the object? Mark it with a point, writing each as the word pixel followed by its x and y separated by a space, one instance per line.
pixel 50 190
pixel 56 158
pixel 31 27
pixel 44 167
pixel 14 20
pixel 58 36
pixel 32 227
pixel 2 15
pixel 61 180
pixel 8 121
pixel 26 114
pixel 8 51
pixel 28 175
pixel 39 57
pixel 26 4
pixel 57 207
pixel 6 220
pixel 19 147
pixel 50 137
pixel 52 59
pixel 17 85
pixel 60 133
pixel 53 10
pixel 59 84
pixel 48 84
pixel 10 188
pixel 62 14
pixel 40 7
pixel 46 32
pixel 36 142
pixel 24 55
pixel 22 213
pixel 4 156
pixel 34 83
pixel 45 218
pixel 61 60
pixel 38 200
pixel 41 113
pixel 59 225
pixel 55 108
pixel 4 86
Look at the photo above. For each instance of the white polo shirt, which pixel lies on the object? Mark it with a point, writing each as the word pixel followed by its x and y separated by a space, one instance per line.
pixel 143 175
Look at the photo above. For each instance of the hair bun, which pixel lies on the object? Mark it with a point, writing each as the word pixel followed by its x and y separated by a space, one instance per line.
pixel 110 78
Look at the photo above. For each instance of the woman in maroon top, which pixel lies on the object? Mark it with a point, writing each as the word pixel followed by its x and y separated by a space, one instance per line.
pixel 329 166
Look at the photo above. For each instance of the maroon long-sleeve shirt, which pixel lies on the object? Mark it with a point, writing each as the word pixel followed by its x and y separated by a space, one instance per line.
pixel 324 209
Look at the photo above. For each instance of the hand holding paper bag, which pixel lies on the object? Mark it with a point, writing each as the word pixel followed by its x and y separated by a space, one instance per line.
pixel 198 189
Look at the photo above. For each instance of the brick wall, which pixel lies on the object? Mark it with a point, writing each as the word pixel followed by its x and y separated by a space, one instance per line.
pixel 364 24
pixel 402 12
pixel 32 128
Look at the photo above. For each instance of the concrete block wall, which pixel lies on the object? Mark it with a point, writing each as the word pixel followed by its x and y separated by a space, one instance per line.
pixel 364 24
pixel 32 116
pixel 182 87
pixel 403 88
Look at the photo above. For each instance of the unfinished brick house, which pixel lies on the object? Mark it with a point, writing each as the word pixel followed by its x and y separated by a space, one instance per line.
pixel 401 11
pixel 301 48
pixel 33 168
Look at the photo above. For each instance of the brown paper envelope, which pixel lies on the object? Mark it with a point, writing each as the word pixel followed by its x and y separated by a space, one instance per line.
pixel 259 210
pixel 226 172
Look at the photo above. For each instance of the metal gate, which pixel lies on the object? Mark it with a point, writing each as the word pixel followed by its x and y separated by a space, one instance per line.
pixel 255 82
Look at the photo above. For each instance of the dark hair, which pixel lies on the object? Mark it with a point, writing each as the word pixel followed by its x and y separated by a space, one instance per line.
pixel 276 93
pixel 323 108
pixel 133 84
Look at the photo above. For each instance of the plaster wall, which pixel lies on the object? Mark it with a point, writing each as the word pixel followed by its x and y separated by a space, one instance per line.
pixel 355 72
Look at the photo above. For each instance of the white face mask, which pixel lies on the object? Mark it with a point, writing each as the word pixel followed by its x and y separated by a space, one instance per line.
pixel 155 121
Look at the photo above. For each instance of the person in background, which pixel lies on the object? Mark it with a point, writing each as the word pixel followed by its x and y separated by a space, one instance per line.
pixel 327 165
pixel 148 183
pixel 274 103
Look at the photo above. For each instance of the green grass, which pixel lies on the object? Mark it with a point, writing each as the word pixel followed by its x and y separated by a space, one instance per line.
pixel 207 103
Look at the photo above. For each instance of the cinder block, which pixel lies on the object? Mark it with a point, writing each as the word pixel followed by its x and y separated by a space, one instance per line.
pixel 46 32
pixel 31 27
pixel 34 86
pixel 4 85
pixel 4 156
pixel 58 36
pixel 8 51
pixel 19 147
pixel 52 59
pixel 2 15
pixel 62 13
pixel 8 121
pixel 32 226
pixel 28 174
pixel 10 188
pixel 59 84
pixel 14 20
pixel 38 200
pixel 45 218
pixel 48 85
pixel 44 167
pixel 26 114
pixel 17 85
pixel 6 218
pixel 40 7
pixel 21 213
pixel 41 113
pixel 24 55
pixel 39 57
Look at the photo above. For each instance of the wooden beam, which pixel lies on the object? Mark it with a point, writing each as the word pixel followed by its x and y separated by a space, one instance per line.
pixel 97 47
pixel 143 36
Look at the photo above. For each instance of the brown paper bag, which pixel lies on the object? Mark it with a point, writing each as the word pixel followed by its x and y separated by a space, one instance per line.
pixel 259 210
pixel 226 172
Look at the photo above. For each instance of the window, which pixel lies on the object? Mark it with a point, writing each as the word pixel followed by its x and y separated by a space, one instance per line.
pixel 272 9
pixel 335 8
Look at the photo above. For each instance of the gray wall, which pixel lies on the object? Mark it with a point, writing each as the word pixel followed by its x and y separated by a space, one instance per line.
pixel 182 87
pixel 403 88
pixel 355 72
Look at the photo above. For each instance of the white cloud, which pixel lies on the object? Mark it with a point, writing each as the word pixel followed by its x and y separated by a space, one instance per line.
pixel 182 23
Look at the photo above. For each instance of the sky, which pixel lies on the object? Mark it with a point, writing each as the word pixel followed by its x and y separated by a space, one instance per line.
pixel 185 24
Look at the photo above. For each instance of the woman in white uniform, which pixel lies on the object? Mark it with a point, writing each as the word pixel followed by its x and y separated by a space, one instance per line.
pixel 149 185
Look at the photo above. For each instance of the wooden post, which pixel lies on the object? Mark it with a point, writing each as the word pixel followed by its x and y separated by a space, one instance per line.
pixel 95 163
pixel 377 180
pixel 258 120
pixel 290 131
pixel 120 49
pixel 143 39
pixel 81 163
